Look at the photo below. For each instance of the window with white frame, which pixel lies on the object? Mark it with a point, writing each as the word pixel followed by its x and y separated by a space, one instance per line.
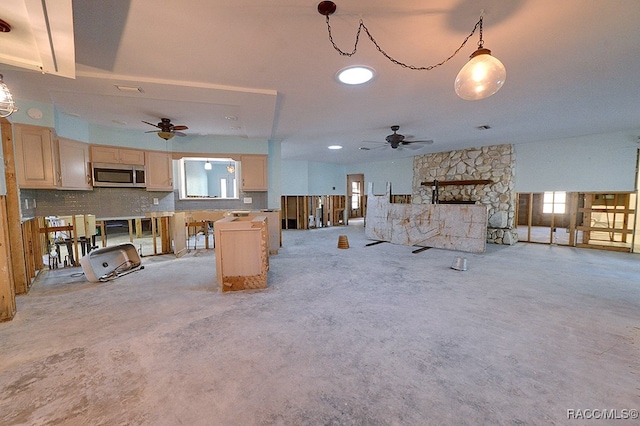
pixel 554 202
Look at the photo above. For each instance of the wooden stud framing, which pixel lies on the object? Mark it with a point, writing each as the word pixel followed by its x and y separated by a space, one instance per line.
pixel 621 200
pixel 7 290
pixel 573 217
pixel 13 218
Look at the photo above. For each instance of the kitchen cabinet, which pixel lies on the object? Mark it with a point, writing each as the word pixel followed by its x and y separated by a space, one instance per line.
pixel 159 171
pixel 242 258
pixel 254 172
pixel 74 171
pixel 112 154
pixel 35 157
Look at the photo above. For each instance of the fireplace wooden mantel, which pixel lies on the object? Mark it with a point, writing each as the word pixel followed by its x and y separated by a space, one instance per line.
pixel 458 182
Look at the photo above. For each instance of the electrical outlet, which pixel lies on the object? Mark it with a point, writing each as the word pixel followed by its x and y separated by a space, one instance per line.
pixel 156 202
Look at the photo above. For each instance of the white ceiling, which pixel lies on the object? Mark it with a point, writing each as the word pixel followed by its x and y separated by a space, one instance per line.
pixel 572 70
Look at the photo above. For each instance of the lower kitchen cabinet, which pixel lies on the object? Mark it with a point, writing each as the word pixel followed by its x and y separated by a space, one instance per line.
pixel 242 257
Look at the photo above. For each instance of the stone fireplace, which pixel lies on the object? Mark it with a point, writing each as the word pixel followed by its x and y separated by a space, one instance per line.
pixel 476 175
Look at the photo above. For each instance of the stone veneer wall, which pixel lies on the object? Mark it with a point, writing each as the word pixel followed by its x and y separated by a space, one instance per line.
pixel 496 163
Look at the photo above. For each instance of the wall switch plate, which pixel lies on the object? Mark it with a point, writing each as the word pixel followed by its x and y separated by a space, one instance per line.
pixel 248 200
pixel 156 202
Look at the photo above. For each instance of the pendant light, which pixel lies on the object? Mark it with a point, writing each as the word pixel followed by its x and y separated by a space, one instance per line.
pixel 207 165
pixel 482 76
pixel 7 106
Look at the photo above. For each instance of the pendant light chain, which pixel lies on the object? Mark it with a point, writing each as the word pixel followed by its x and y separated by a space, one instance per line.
pixel 389 57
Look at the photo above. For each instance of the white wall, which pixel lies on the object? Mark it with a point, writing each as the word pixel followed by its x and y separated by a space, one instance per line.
pixel 21 116
pixel 327 179
pixel 399 172
pixel 274 170
pixel 72 127
pixel 589 163
pixel 295 177
pixel 311 178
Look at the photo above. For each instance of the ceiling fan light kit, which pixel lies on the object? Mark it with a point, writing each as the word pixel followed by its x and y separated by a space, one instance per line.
pixel 480 78
pixel 166 135
pixel 167 129
pixel 396 140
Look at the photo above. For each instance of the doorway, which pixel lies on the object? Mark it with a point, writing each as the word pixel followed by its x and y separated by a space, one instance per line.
pixel 355 195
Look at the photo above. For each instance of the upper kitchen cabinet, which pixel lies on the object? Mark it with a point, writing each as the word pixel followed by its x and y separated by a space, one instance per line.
pixel 35 157
pixel 159 171
pixel 112 154
pixel 254 172
pixel 73 165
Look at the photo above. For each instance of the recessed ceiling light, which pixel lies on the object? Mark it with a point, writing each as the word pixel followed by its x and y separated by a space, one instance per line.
pixel 335 147
pixel 231 117
pixel 355 75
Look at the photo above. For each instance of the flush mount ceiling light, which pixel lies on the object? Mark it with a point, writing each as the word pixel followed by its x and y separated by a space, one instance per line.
pixel 481 77
pixel 335 147
pixel 7 106
pixel 133 89
pixel 355 75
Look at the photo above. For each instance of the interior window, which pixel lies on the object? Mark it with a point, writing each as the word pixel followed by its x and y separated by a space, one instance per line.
pixel 208 178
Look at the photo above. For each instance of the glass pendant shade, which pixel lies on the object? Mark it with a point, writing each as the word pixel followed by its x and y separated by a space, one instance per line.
pixel 208 166
pixel 481 77
pixel 7 106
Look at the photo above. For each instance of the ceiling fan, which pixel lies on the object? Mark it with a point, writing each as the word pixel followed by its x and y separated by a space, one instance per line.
pixel 398 141
pixel 167 129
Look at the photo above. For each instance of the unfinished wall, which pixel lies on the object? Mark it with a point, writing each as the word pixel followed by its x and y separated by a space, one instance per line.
pixel 495 163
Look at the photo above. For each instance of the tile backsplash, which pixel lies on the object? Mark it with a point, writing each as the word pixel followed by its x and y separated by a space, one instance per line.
pixel 123 202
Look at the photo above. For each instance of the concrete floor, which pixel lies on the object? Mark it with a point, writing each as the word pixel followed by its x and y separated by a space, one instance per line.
pixel 363 336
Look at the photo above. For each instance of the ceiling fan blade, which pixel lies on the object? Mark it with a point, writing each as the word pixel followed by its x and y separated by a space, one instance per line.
pixel 411 146
pixel 180 127
pixel 428 142
pixel 179 133
pixel 368 148
pixel 151 124
pixel 152 131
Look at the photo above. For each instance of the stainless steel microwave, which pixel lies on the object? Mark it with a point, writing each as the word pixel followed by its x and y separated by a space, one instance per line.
pixel 118 175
